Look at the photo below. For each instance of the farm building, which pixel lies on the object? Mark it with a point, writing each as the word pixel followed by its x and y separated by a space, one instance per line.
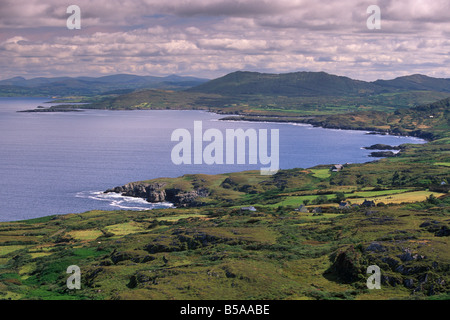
pixel 251 208
pixel 302 208
pixel 344 205
pixel 368 203
pixel 337 167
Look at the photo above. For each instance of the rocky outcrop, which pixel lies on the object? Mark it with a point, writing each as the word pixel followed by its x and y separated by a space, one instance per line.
pixel 186 198
pixel 181 240
pixel 141 190
pixel 438 228
pixel 119 256
pixel 156 192
pixel 347 264
pixel 380 146
pixel 400 265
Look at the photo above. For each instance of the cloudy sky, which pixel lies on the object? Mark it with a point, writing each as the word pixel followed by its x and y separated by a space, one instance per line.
pixel 210 38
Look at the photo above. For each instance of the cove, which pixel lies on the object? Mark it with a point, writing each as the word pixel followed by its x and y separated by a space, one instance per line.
pixel 58 163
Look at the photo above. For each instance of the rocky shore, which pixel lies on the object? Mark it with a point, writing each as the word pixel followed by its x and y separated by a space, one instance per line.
pixel 157 192
pixel 383 150
pixel 58 108
pixel 380 146
pixel 316 121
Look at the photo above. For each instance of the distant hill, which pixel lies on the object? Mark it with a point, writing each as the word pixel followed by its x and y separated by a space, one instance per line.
pixel 304 84
pixel 239 83
pixel 416 82
pixel 64 86
pixel 241 92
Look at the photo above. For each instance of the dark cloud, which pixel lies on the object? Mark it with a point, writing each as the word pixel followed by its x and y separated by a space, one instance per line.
pixel 235 8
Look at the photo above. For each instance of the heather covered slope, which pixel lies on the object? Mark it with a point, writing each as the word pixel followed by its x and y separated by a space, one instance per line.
pixel 225 253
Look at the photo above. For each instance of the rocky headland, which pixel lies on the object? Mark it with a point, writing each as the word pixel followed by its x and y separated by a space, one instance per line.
pixel 157 192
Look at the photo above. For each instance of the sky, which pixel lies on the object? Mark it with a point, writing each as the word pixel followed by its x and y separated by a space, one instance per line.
pixel 211 38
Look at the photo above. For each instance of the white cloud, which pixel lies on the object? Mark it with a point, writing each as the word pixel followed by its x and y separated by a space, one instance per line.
pixel 214 37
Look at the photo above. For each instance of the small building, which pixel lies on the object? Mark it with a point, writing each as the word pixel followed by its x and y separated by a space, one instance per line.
pixel 344 205
pixel 317 210
pixel 251 208
pixel 337 167
pixel 368 203
pixel 302 208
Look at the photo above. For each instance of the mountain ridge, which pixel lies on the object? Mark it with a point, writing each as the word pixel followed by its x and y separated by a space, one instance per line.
pixel 305 83
pixel 299 83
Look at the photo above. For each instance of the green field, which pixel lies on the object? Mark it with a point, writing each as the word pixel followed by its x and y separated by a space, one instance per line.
pixel 321 173
pixel 445 164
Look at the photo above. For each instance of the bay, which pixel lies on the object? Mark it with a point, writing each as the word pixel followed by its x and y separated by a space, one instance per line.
pixel 57 163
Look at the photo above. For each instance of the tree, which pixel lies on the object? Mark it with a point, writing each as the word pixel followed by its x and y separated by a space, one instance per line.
pixel 433 200
pixel 340 196
pixel 395 178
pixel 320 199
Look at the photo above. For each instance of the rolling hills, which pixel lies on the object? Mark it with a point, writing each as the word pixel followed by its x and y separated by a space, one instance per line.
pixel 241 92
pixel 289 84
pixel 315 84
pixel 290 94
pixel 88 86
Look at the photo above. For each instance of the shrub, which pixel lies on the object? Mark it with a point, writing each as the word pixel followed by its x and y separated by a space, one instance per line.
pixel 433 200
pixel 320 199
pixel 340 196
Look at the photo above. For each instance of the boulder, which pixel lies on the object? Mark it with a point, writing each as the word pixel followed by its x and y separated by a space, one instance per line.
pixel 347 265
pixel 408 283
pixel 443 232
pixel 375 247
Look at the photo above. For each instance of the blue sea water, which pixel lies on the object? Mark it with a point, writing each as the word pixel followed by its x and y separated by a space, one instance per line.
pixel 57 163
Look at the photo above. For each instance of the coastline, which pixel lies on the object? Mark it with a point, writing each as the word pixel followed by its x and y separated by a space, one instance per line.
pixel 259 223
pixel 307 121
pixel 282 119
pixel 135 188
pixel 288 120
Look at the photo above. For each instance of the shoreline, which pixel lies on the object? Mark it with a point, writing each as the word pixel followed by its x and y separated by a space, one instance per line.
pixel 277 120
pixel 282 119
pixel 370 130
pixel 309 119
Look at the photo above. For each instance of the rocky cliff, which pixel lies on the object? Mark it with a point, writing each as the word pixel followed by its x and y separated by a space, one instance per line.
pixel 157 192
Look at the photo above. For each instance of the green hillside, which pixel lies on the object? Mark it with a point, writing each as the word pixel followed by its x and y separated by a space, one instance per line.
pixel 253 93
pixel 290 84
pixel 416 82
